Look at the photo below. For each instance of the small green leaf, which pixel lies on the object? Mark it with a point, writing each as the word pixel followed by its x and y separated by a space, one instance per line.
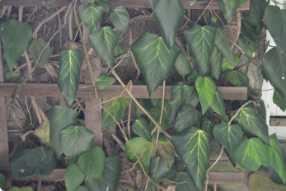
pixel 141 128
pixel 75 140
pixel 247 47
pixel 183 65
pixel 252 153
pixel 36 48
pixel 139 144
pixel 237 78
pixel 43 133
pixel 69 72
pixel 156 114
pixel 192 146
pixel 92 162
pixel 119 50
pixel 176 101
pixel 15 37
pixel 189 96
pixel 228 8
pixel 227 66
pixel 279 100
pixel 120 18
pixel 104 81
pixel 187 117
pixel 218 105
pixel 169 14
pixel 201 42
pixel 273 175
pixel 252 123
pixel 2 182
pixel 206 89
pixel 193 75
pixel 90 15
pixel 110 176
pixel 228 136
pixel 208 126
pixel 13 77
pixel 60 118
pixel 73 177
pixel 103 41
pixel 216 64
pixel 158 168
pixel 37 162
pixel 102 3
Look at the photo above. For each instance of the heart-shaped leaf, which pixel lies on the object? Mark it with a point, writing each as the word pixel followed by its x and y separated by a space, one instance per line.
pixel 92 162
pixel 183 65
pixel 228 136
pixel 104 81
pixel 43 133
pixel 13 77
pixel 221 42
pixel 226 65
pixel 102 3
pixel 192 146
pixel 169 14
pixel 206 89
pixel 252 123
pixel 36 47
pixel 279 100
pixel 73 177
pixel 154 59
pixel 75 140
pixel 2 182
pixel 70 62
pixel 141 127
pixel 228 8
pixel 276 158
pixel 188 116
pixel 90 15
pixel 103 41
pixel 216 63
pixel 252 153
pixel 274 69
pixel 158 168
pixel 60 118
pixel 208 126
pixel 275 20
pixel 110 176
pixel 15 37
pixel 237 78
pixel 37 162
pixel 218 105
pixel 120 18
pixel 139 144
pixel 273 175
pixel 247 47
pixel 201 41
pixel 118 109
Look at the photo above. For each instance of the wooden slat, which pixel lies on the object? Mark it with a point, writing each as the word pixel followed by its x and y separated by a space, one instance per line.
pixel 116 3
pixel 52 90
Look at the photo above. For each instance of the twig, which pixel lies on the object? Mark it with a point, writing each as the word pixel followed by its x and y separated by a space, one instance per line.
pixel 20 15
pixel 129 114
pixel 278 3
pixel 60 25
pixel 173 182
pixel 24 136
pixel 70 25
pixel 133 58
pixel 118 141
pixel 204 11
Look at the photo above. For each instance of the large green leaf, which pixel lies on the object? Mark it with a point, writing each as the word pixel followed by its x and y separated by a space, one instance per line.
pixel 154 59
pixel 275 20
pixel 201 42
pixel 189 96
pixel 153 4
pixel 37 162
pixel 141 127
pixel 75 140
pixel 192 146
pixel 92 162
pixel 180 177
pixel 176 101
pixel 60 118
pixel 36 47
pixel 183 65
pixel 188 116
pixel 228 8
pixel 13 77
pixel 118 109
pixel 273 175
pixel 2 182
pixel 274 69
pixel 252 123
pixel 228 136
pixel 169 14
pixel 276 158
pixel 73 177
pixel 104 81
pixel 250 33
pixel 110 176
pixel 120 18
pixel 156 114
pixel 15 37
pixel 90 15
pixel 69 72
pixel 237 78
pixel 279 100
pixel 247 47
pixel 206 89
pixel 103 41
pixel 158 168
pixel 102 3
pixel 192 76
pixel 218 105
pixel 221 42
pixel 216 63
pixel 252 153
pixel 139 144
pixel 208 126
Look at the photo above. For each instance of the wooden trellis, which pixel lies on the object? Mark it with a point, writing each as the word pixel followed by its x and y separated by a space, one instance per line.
pixel 93 116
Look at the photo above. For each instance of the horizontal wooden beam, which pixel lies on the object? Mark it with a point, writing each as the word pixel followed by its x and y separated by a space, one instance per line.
pixel 214 177
pixel 115 3
pixel 139 91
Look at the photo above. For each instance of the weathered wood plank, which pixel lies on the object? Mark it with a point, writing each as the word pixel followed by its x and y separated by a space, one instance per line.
pixel 115 3
pixel 52 90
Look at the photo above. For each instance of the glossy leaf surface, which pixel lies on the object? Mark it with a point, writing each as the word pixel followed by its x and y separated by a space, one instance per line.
pixel 90 15
pixel 237 78
pixel 141 128
pixel 158 168
pixel 36 47
pixel 104 81
pixel 208 126
pixel 182 64
pixel 218 105
pixel 73 177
